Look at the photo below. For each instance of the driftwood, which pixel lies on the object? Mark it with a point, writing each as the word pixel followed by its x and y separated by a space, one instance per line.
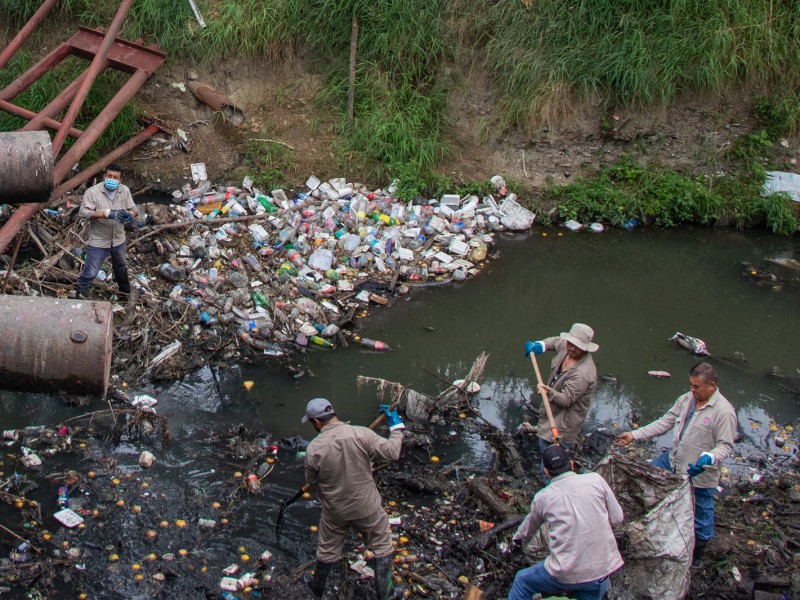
pixel 485 494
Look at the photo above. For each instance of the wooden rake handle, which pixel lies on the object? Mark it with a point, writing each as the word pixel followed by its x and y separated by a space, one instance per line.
pixel 548 410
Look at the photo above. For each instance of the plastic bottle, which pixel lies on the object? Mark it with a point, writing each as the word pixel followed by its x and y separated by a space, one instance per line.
pixel 260 299
pixel 295 258
pixel 320 341
pixel 63 497
pixel 375 345
pixel 253 484
pixel 630 223
pixel 172 273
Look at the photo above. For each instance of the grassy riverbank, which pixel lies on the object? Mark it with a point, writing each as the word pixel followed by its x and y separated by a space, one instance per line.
pixel 546 63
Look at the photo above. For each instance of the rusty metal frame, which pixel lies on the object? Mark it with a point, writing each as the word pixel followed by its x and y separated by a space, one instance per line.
pixel 104 50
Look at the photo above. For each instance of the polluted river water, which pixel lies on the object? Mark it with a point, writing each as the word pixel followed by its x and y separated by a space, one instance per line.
pixel 636 289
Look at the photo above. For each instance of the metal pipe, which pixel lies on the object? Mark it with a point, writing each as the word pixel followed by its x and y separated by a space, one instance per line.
pixel 29 114
pixel 94 70
pixel 24 81
pixel 52 345
pixel 98 126
pixel 26 31
pixel 26 167
pixel 101 164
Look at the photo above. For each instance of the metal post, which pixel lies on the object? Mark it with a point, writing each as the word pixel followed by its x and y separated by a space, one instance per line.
pixel 26 31
pixel 24 81
pixel 101 164
pixel 98 126
pixel 97 66
pixel 29 114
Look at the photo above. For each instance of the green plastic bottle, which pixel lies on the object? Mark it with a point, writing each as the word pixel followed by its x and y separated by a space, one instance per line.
pixel 320 341
pixel 260 299
pixel 268 206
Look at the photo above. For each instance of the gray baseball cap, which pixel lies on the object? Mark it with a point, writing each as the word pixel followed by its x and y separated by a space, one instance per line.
pixel 317 408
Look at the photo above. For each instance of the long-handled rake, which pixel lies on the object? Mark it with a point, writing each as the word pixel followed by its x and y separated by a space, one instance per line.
pixel 289 500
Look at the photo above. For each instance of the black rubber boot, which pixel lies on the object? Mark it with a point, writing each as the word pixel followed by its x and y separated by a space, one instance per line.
pixel 316 583
pixel 123 283
pixel 383 576
pixel 699 551
pixel 81 294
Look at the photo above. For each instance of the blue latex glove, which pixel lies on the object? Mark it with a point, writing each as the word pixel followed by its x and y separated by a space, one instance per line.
pixel 535 347
pixel 705 460
pixel 392 417
pixel 121 216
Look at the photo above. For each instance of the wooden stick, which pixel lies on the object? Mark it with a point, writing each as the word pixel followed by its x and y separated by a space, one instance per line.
pixel 11 266
pixel 553 428
pixel 351 91
pixel 20 538
pixel 182 224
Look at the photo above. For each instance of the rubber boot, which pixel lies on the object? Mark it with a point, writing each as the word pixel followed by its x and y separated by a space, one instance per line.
pixel 699 551
pixel 383 576
pixel 81 294
pixel 317 583
pixel 123 283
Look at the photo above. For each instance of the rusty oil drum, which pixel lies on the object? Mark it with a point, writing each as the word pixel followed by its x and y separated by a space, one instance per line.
pixel 26 167
pixel 49 344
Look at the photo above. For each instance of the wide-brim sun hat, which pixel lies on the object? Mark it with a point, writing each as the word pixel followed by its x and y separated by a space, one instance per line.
pixel 581 336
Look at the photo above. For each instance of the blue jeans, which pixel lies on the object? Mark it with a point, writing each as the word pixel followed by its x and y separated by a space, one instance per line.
pixel 94 260
pixel 536 579
pixel 703 502
pixel 544 445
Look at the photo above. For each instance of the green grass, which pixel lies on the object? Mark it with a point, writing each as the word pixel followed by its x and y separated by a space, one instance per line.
pixel 553 56
pixel 666 198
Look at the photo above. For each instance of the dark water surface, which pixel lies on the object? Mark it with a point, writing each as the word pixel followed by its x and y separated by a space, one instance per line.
pixel 635 289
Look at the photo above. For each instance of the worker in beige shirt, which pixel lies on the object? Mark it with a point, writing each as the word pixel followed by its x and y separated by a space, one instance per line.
pixel 109 207
pixel 580 512
pixel 571 385
pixel 338 463
pixel 704 426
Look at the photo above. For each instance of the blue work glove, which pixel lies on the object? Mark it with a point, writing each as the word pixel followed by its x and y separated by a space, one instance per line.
pixel 120 216
pixel 706 460
pixel 392 417
pixel 535 347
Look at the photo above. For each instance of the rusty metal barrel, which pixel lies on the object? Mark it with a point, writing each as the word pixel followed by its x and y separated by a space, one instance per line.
pixel 26 167
pixel 49 344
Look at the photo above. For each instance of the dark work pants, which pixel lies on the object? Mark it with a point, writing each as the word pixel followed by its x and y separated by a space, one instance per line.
pixel 94 260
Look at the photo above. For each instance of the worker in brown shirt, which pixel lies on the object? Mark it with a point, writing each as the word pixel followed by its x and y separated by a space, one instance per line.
pixel 338 463
pixel 109 207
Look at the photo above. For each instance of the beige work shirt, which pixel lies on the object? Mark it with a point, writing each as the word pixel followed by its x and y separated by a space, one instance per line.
pixel 711 429
pixel 105 233
pixel 338 463
pixel 580 511
pixel 571 396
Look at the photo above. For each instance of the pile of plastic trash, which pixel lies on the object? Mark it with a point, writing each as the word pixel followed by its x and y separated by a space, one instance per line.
pixel 293 268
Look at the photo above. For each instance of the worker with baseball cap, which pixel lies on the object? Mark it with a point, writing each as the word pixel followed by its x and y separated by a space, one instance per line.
pixel 338 463
pixel 580 511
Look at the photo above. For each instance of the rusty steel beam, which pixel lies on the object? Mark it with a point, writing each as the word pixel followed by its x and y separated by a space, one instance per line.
pixel 26 167
pixel 24 81
pixel 124 56
pixel 101 164
pixel 98 126
pixel 94 70
pixel 26 31
pixel 29 114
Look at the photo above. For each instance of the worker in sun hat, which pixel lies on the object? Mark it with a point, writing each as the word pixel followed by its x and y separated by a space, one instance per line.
pixel 571 385
pixel 580 511
pixel 338 463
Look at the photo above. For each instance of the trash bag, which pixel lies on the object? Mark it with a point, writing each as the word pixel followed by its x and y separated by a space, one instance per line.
pixel 659 525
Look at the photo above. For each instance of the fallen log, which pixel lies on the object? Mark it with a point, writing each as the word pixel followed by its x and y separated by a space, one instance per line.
pixel 487 496
pixel 482 541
